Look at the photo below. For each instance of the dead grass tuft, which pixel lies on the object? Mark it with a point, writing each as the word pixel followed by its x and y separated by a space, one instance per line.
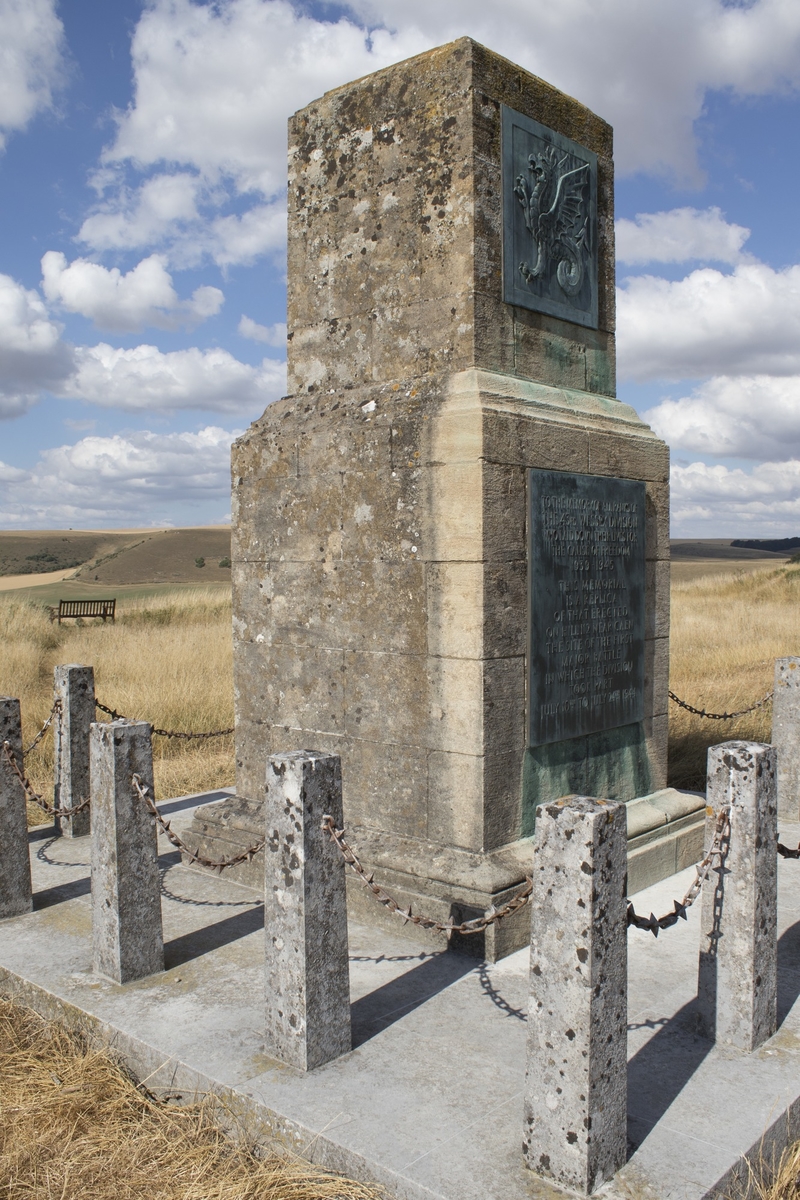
pixel 168 660
pixel 726 632
pixel 73 1124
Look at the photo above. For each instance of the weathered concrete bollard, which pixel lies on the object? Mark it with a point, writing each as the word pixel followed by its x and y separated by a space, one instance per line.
pixel 127 939
pixel 786 735
pixel 15 863
pixel 576 1084
pixel 305 913
pixel 738 970
pixel 73 686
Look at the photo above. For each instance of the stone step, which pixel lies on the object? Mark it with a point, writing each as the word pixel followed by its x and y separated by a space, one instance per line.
pixel 665 835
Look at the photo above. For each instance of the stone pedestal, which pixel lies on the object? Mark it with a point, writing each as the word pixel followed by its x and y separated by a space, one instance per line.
pixel 786 735
pixel 127 937
pixel 381 521
pixel 74 687
pixel 576 1081
pixel 737 989
pixel 305 913
pixel 15 863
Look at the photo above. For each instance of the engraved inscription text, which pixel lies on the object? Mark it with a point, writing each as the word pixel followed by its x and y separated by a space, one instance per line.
pixel 587 604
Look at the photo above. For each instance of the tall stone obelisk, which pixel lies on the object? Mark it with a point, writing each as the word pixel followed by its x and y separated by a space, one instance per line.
pixel 450 540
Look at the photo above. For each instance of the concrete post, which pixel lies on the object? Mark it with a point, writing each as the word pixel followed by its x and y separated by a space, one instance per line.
pixel 737 976
pixel 15 863
pixel 74 687
pixel 576 1083
pixel 305 913
pixel 786 735
pixel 127 940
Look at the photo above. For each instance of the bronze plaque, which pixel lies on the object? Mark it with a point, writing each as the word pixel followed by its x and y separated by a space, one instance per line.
pixel 586 595
pixel 549 221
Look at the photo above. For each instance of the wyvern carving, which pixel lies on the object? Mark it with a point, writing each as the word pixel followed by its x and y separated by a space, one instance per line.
pixel 555 207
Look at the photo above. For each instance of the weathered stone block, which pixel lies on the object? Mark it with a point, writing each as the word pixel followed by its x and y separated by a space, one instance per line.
pixel 738 969
pixel 74 688
pixel 15 865
pixel 305 913
pixel 127 938
pixel 656 676
pixel 576 1081
pixel 629 457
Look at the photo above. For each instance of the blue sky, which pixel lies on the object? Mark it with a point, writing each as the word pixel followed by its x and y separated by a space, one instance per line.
pixel 142 234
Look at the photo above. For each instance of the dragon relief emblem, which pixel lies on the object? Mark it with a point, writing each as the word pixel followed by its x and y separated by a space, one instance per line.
pixel 554 203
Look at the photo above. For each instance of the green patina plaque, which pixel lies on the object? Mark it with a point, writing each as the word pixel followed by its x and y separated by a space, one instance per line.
pixel 586 594
pixel 549 221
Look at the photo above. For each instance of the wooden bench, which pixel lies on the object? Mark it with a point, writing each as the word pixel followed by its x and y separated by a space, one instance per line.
pixel 83 608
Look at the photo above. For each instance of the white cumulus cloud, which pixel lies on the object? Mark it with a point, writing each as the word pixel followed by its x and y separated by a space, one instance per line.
pixel 215 83
pixel 718 501
pixel 271 335
pixel 137 478
pixel 32 355
pixel 744 416
pixel 147 378
pixel 125 303
pixel 680 235
pixel 164 204
pixel 31 62
pixel 710 323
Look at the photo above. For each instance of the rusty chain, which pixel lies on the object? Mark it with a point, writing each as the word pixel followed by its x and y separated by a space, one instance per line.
pixel 215 864
pixel 55 709
pixel 701 712
pixel 656 924
pixel 34 796
pixel 448 927
pixel 167 733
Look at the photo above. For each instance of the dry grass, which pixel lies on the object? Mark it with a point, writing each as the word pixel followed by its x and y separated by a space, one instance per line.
pixel 73 1124
pixel 726 632
pixel 168 660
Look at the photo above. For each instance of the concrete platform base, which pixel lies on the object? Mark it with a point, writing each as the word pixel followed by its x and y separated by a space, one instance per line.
pixel 665 834
pixel 429 1102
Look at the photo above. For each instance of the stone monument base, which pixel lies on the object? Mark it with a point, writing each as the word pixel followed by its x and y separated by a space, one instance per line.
pixel 665 835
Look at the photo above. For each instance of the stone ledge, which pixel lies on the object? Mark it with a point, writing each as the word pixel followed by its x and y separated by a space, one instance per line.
pixel 665 834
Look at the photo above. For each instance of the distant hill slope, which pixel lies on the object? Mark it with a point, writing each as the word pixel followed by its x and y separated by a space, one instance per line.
pixel 773 545
pixel 39 552
pixel 119 557
pixel 164 556
pixel 724 548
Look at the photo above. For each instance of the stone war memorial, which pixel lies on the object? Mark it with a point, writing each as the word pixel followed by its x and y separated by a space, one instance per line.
pixel 451 623
pixel 450 540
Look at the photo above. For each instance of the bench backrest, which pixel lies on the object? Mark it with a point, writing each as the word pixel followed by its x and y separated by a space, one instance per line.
pixel 86 608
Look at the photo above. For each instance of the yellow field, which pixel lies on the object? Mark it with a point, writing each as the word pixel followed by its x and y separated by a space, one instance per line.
pixel 167 660
pixel 727 630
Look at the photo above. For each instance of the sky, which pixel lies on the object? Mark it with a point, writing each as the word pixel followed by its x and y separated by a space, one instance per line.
pixel 143 233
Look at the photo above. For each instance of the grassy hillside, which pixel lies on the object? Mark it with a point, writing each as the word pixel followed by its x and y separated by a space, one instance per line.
pixel 124 557
pixel 164 556
pixel 33 553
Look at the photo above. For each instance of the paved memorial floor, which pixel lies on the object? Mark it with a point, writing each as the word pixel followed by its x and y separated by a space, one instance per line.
pixel 429 1102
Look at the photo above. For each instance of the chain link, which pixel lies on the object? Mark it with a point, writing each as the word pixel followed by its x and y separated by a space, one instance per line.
pixel 55 709
pixel 701 712
pixel 167 733
pixel 656 924
pixel 215 864
pixel 34 796
pixel 448 927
